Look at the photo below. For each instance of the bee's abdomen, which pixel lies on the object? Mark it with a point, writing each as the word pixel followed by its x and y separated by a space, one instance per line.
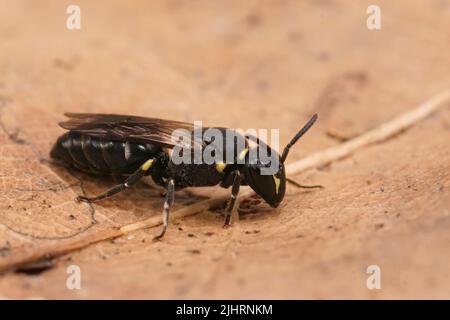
pixel 95 155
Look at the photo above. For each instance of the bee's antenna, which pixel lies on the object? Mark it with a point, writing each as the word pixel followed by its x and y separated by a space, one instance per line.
pixel 298 136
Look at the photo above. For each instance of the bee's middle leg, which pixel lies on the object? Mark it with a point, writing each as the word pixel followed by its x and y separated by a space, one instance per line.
pixel 170 195
pixel 234 194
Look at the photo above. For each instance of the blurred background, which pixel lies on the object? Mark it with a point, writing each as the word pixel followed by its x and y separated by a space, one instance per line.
pixel 252 64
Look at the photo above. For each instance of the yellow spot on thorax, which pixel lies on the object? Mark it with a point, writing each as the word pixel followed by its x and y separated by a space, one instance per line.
pixel 243 154
pixel 147 165
pixel 220 166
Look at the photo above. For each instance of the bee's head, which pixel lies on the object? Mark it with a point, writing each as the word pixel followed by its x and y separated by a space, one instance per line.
pixel 270 187
pixel 268 178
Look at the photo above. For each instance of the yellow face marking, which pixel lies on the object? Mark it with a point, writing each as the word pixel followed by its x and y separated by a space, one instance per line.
pixel 243 154
pixel 220 166
pixel 147 165
pixel 277 183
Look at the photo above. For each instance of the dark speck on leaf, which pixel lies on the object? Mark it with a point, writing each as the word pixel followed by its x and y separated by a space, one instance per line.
pixel 5 250
pixel 254 231
pixel 253 20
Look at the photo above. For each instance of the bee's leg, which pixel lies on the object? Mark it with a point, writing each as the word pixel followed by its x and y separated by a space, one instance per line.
pixel 234 194
pixel 131 180
pixel 167 205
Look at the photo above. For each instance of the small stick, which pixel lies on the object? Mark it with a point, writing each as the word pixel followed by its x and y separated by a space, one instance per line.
pixel 66 246
pixel 314 160
pixel 379 134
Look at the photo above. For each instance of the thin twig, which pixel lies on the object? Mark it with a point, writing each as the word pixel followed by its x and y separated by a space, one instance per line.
pixel 314 160
pixel 379 134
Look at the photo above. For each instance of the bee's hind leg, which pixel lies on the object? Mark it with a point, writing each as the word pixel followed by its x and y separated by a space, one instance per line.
pixel 130 181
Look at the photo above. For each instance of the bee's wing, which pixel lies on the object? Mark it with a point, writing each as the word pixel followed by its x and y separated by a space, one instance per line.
pixel 130 128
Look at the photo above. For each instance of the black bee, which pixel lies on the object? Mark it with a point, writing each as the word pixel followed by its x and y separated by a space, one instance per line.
pixel 135 147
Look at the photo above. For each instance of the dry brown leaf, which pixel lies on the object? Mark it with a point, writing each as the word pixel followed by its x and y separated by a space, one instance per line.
pixel 388 205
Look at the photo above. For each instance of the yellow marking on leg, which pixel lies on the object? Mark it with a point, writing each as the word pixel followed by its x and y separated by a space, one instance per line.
pixel 220 166
pixel 277 183
pixel 243 154
pixel 147 165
